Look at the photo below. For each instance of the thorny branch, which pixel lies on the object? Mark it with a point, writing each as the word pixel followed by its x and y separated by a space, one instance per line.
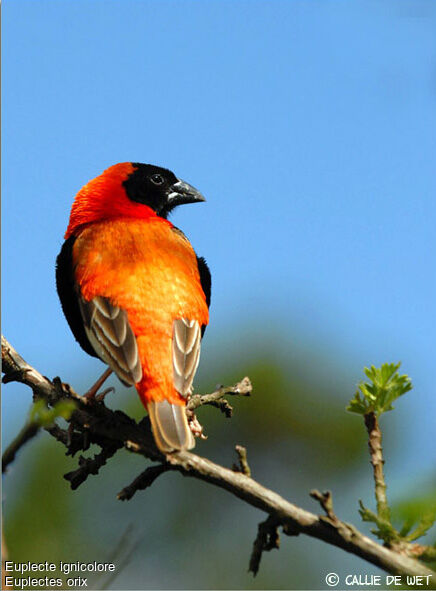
pixel 93 422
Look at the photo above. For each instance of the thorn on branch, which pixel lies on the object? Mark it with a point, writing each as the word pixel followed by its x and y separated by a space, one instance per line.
pixel 243 462
pixel 267 539
pixel 326 502
pixel 143 481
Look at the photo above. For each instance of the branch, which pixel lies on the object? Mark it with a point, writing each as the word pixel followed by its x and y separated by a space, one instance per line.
pixel 376 453
pixel 267 539
pixel 114 428
pixel 243 462
pixel 242 388
pixel 29 431
pixel 143 481
pixel 89 466
pixel 326 502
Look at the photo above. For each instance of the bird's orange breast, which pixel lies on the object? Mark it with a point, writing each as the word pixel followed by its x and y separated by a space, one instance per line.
pixel 151 271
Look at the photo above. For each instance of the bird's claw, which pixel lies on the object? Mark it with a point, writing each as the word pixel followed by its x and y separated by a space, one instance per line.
pixel 100 397
pixel 196 427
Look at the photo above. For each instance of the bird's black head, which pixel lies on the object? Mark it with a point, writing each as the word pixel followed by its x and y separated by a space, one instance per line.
pixel 159 188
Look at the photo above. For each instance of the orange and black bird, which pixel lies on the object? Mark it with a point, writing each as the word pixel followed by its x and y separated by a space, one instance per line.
pixel 134 292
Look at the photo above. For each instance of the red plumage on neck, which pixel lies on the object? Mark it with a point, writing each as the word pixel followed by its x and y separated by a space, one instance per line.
pixel 105 198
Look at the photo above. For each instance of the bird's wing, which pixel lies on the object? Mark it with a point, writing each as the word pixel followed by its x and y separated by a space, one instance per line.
pixel 102 329
pixel 186 353
pixel 112 337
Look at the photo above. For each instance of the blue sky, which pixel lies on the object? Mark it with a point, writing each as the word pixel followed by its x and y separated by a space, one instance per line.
pixel 309 127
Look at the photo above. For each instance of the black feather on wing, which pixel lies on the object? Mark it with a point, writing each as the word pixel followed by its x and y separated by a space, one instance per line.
pixel 206 284
pixel 66 288
pixel 205 278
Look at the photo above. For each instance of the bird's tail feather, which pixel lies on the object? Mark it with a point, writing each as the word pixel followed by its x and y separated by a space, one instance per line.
pixel 170 426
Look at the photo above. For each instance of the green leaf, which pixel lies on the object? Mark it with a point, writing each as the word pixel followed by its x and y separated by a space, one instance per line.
pixel 44 416
pixel 407 526
pixel 417 512
pixel 425 523
pixel 385 386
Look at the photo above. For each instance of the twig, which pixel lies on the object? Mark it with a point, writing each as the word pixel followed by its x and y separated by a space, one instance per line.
pixel 243 462
pixel 109 427
pixel 29 431
pixel 72 440
pixel 142 482
pixel 267 539
pixel 242 388
pixel 326 502
pixel 88 466
pixel 376 453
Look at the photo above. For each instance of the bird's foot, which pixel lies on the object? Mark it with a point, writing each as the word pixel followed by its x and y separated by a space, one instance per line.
pixel 91 393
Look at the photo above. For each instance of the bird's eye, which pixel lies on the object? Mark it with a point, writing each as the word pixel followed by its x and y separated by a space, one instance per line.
pixel 157 179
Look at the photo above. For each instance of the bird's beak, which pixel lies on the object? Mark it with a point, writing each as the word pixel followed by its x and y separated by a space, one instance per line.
pixel 180 192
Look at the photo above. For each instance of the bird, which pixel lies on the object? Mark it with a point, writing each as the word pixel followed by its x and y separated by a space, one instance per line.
pixel 134 292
